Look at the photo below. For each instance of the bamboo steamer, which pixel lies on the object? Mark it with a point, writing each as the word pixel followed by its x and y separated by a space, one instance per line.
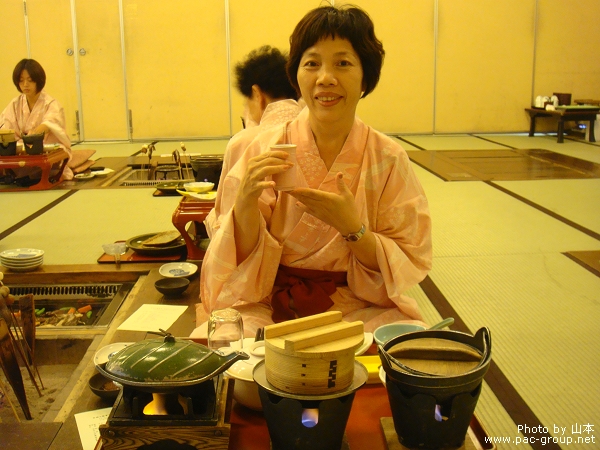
pixel 312 355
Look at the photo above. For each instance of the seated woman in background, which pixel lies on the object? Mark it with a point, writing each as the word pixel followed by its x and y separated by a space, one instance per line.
pixel 355 233
pixel 34 111
pixel 270 101
pixel 262 80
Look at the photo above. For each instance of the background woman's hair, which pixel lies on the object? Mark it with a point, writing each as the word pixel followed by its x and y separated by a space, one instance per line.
pixel 264 67
pixel 346 22
pixel 35 71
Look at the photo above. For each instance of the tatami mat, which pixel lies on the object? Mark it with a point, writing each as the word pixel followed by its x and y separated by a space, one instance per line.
pixel 73 231
pixel 473 219
pixel 405 144
pixel 489 410
pixel 17 206
pixel 543 311
pixel 572 199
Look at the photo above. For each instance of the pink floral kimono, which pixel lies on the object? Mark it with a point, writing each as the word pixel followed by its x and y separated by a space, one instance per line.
pixel 276 113
pixel 47 111
pixel 391 203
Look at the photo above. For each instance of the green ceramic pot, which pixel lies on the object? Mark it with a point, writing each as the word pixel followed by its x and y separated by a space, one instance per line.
pixel 166 365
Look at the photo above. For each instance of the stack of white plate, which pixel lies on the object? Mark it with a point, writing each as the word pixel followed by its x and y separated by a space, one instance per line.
pixel 22 259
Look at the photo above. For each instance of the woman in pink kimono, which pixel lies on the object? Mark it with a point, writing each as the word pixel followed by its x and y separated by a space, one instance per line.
pixel 34 111
pixel 355 233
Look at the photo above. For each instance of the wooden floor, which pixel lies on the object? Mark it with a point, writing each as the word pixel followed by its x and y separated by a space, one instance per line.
pixel 516 233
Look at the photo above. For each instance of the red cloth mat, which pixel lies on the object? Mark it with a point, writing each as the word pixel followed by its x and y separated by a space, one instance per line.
pixel 131 256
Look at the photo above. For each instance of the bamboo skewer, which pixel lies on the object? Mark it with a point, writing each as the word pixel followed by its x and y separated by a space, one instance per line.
pixel 10 367
pixel 188 165
pixel 27 350
pixel 5 393
pixel 11 322
pixel 18 341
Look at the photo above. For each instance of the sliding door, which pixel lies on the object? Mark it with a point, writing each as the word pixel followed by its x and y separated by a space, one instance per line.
pixel 177 72
pixel 55 52
pixel 100 67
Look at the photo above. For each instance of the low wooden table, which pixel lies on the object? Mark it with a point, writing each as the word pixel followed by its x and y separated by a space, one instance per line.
pixel 562 115
pixel 365 429
pixel 52 165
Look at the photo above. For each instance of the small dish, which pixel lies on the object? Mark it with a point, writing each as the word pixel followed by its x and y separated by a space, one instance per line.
pixel 103 172
pixel 107 351
pixel 368 340
pixel 137 245
pixel 178 270
pixel 172 287
pixel 103 387
pixel 205 196
pixel 22 253
pixel 199 186
pixel 84 176
pixel 386 332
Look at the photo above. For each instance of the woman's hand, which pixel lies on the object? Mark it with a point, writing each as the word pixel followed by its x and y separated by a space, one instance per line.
pixel 246 214
pixel 259 167
pixel 338 210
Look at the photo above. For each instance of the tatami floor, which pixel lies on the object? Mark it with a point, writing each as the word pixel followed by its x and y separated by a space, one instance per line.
pixel 499 262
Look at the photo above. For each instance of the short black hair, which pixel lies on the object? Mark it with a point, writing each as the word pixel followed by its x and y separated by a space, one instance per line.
pixel 346 22
pixel 35 71
pixel 264 67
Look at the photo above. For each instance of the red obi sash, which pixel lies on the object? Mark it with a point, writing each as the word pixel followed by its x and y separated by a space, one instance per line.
pixel 303 292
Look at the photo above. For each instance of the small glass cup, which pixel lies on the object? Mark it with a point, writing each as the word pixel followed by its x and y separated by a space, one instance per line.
pixel 117 249
pixel 225 327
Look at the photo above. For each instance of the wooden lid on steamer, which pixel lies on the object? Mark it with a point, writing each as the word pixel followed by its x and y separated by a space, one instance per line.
pixel 312 355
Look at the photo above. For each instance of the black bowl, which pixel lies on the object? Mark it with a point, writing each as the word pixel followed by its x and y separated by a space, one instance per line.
pixel 171 287
pixel 103 387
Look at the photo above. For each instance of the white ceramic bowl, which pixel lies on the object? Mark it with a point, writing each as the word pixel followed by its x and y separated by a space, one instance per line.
pixel 386 332
pixel 245 391
pixel 178 270
pixel 199 186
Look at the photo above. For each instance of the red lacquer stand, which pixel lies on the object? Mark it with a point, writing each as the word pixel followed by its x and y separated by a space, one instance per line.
pixel 52 165
pixel 191 210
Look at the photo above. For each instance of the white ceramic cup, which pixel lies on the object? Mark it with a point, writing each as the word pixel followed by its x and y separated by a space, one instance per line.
pixel 225 327
pixel 286 181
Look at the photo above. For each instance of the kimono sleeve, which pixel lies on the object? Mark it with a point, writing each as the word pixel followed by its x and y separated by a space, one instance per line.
pixel 223 281
pixel 399 217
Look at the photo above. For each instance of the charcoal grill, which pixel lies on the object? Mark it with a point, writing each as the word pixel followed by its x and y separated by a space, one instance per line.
pixel 104 298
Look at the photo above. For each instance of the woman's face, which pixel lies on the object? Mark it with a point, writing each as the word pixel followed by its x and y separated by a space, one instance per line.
pixel 330 77
pixel 27 85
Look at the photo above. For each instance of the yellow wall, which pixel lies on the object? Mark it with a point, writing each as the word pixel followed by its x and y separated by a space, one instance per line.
pixel 567 48
pixel 452 66
pixel 13 25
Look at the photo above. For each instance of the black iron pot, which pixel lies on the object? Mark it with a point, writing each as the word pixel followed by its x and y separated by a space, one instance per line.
pixel 430 410
pixel 207 168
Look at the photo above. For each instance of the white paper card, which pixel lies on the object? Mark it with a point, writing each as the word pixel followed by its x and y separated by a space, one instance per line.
pixel 153 317
pixel 88 423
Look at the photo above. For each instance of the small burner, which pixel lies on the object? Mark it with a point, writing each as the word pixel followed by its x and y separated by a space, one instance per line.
pixel 195 415
pixel 195 405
